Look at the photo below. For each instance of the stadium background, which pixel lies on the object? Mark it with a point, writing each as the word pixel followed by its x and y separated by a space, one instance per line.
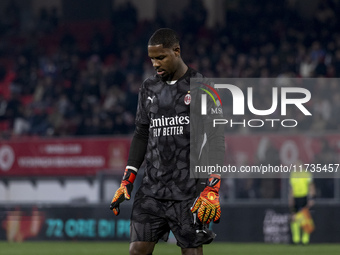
pixel 69 78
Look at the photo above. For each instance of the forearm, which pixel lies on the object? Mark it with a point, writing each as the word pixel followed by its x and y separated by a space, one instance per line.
pixel 138 147
pixel 216 146
pixel 216 152
pixel 311 195
pixel 136 157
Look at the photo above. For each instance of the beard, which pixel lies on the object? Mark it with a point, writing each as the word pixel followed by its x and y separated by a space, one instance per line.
pixel 166 77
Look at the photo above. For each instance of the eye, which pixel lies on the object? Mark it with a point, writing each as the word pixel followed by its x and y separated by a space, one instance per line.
pixel 159 58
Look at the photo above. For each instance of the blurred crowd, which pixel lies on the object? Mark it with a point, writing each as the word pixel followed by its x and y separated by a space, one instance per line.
pixel 82 79
pixel 55 81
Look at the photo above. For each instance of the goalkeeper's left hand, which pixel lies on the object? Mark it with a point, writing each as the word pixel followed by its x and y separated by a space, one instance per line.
pixel 207 205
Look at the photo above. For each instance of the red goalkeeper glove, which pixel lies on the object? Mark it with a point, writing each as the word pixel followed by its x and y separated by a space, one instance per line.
pixel 124 191
pixel 207 205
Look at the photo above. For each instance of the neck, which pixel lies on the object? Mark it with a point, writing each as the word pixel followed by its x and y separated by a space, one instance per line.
pixel 183 68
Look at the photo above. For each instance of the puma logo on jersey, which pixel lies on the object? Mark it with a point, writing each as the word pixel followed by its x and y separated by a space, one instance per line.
pixel 151 99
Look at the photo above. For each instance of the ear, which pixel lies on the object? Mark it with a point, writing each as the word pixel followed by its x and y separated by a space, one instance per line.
pixel 177 50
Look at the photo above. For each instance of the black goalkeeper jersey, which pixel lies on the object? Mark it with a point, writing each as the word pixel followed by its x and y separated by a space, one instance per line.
pixel 162 107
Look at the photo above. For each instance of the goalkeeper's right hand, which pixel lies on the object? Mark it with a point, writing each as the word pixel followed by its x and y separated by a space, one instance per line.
pixel 124 191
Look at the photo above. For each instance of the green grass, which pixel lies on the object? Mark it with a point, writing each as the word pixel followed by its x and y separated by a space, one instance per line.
pixel 120 248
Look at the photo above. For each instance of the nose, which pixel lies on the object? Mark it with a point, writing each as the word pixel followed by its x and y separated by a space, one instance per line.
pixel 155 63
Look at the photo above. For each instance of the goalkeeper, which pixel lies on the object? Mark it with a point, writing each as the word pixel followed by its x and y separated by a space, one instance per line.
pixel 168 199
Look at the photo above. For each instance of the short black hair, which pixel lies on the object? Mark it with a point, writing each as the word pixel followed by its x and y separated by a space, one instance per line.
pixel 165 36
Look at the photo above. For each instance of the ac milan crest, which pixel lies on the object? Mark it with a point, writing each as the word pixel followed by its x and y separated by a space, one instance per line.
pixel 187 98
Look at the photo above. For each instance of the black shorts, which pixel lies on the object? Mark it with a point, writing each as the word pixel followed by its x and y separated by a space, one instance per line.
pixel 152 220
pixel 299 203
